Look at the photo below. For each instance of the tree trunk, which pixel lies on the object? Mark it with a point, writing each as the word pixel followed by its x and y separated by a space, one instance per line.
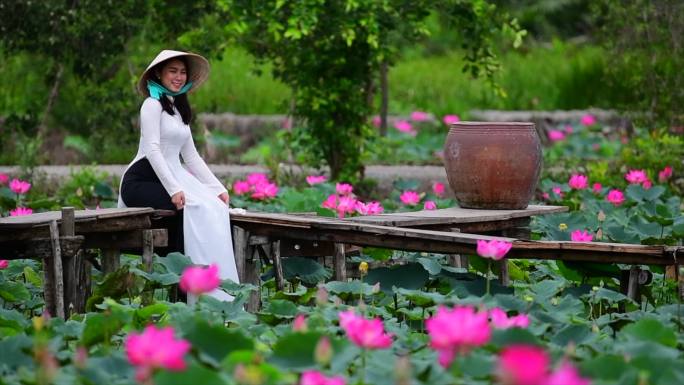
pixel 385 96
pixel 54 92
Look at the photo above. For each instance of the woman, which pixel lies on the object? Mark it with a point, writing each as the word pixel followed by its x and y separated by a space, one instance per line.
pixel 155 178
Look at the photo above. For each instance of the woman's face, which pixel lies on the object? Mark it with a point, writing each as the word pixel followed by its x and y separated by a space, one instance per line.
pixel 173 75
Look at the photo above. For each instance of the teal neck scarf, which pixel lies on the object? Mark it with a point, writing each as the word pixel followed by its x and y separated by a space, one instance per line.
pixel 157 90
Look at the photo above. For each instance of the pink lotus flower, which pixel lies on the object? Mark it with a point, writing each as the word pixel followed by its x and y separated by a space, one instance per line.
pixel 405 127
pixel 263 191
pixel 155 348
pixel 20 211
pixel 597 188
pixel 450 119
pixel 19 186
pixel 546 196
pixel 588 120
pixel 636 176
pixel 344 188
pixel 473 330
pixel 493 249
pixel 315 179
pixel 313 377
pixel 438 189
pixel 197 280
pixel 410 198
pixel 429 205
pixel 581 236
pixel 299 324
pixel 523 365
pixel 370 208
pixel 567 374
pixel 346 205
pixel 615 197
pixel 647 184
pixel 3 264
pixel 557 190
pixel 256 178
pixel 663 175
pixel 568 129
pixel 330 202
pixel 578 182
pixel 501 320
pixel 368 334
pixel 3 178
pixel 419 116
pixel 241 187
pixel 376 121
pixel 556 135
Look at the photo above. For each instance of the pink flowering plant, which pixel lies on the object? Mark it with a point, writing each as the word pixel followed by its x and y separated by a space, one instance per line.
pixel 407 317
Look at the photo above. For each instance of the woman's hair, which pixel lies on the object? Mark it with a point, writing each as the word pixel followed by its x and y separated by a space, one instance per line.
pixel 180 101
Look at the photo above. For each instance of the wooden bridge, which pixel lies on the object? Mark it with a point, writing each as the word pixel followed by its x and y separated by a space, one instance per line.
pixel 59 238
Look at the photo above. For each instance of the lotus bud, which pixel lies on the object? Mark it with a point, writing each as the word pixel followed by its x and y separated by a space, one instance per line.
pixel 324 351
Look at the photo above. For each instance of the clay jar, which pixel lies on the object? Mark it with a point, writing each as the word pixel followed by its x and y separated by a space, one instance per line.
pixel 493 165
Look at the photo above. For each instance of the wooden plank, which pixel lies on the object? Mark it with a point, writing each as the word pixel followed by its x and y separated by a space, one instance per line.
pixel 92 225
pixel 453 216
pixel 462 243
pixel 39 248
pixel 58 275
pixel 125 239
pixel 80 216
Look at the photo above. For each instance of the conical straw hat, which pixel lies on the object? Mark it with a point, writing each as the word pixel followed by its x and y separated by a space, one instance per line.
pixel 198 70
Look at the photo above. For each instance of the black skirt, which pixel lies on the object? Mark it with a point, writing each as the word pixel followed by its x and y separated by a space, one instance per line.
pixel 141 187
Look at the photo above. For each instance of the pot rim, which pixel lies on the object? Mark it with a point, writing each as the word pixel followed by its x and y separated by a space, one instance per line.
pixel 507 124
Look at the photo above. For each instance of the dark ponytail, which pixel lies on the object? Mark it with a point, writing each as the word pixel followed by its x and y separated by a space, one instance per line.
pixel 182 105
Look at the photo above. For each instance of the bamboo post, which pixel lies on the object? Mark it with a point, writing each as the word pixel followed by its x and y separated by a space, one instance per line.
pixel 57 265
pixel 248 267
pixel 76 269
pixel 521 232
pixel 278 265
pixel 147 249
pixel 633 284
pixel 110 260
pixel 340 262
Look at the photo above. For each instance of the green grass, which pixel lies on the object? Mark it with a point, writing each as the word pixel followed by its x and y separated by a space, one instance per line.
pixel 556 76
pixel 233 86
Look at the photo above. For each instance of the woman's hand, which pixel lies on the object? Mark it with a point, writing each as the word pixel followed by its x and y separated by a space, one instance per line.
pixel 224 197
pixel 178 199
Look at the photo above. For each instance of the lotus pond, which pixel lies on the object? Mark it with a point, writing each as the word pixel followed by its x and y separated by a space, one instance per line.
pixel 405 317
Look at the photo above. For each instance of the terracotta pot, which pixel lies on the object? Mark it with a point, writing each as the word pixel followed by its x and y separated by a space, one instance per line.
pixel 493 165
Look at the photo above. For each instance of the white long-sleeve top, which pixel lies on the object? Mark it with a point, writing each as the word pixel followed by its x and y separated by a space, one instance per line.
pixel 164 139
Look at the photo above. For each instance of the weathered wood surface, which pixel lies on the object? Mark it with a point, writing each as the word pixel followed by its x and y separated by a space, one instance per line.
pixel 39 248
pixel 248 267
pixel 79 216
pixel 453 216
pixel 58 290
pixel 87 227
pixel 125 239
pixel 402 238
pixel 76 269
